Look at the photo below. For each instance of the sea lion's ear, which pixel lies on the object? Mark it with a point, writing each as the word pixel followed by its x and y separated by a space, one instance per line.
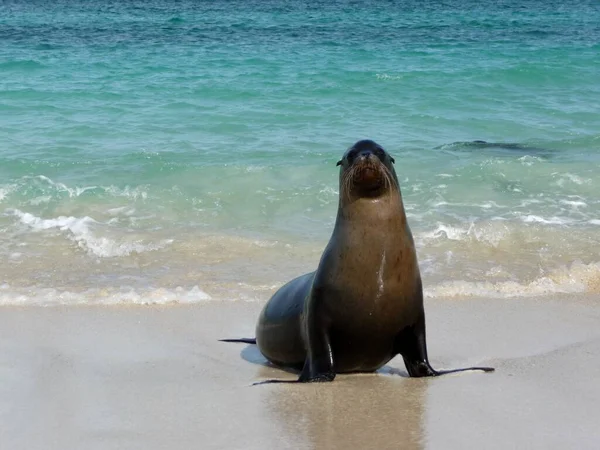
pixel 393 160
pixel 339 163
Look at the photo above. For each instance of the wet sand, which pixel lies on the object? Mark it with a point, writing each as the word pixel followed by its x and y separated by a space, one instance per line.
pixel 152 377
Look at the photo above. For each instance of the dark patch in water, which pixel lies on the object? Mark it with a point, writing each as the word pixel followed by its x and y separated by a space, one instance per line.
pixel 504 148
pixel 506 145
pixel 44 46
pixel 20 65
pixel 176 20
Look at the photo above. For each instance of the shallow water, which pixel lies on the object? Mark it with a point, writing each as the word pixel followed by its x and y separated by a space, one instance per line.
pixel 180 151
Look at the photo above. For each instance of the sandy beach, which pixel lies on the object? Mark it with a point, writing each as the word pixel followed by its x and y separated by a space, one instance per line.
pixel 155 378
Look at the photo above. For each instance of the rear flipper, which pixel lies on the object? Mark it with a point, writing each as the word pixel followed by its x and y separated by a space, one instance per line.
pixel 242 340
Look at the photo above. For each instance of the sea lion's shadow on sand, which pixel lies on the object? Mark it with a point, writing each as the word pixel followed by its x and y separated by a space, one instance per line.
pixel 252 355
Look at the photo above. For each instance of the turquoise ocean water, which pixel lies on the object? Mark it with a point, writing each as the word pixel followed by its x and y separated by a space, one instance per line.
pixel 176 151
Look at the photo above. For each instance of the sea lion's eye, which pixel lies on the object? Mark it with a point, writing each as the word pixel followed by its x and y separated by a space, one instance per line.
pixel 339 163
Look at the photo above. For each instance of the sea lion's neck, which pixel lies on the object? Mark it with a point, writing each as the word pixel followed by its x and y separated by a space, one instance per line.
pixel 371 233
pixel 378 211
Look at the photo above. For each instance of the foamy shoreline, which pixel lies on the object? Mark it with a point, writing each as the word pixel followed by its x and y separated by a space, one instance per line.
pixel 155 377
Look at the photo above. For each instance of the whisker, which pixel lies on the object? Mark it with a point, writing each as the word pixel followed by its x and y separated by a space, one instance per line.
pixel 389 177
pixel 347 181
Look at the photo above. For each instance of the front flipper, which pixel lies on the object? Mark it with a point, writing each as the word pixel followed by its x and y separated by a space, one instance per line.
pixel 411 344
pixel 320 378
pixel 318 366
pixel 306 376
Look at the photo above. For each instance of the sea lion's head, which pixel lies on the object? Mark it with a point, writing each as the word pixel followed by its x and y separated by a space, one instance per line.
pixel 367 170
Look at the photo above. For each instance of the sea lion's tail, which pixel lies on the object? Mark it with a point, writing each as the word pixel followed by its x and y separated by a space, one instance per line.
pixel 242 340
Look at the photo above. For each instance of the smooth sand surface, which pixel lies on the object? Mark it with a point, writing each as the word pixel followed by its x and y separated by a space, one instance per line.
pixel 146 377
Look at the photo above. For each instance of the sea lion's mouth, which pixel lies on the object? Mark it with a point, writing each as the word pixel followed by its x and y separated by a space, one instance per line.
pixel 368 177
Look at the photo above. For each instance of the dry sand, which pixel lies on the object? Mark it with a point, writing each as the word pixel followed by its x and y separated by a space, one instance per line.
pixel 156 378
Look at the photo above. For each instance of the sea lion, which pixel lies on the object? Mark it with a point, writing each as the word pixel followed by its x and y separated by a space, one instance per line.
pixel 364 303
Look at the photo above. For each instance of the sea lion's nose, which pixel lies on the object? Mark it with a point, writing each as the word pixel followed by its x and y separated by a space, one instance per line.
pixel 364 154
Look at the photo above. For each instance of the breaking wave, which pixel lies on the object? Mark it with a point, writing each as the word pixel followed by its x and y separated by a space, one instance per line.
pixel 119 296
pixel 577 278
pixel 79 230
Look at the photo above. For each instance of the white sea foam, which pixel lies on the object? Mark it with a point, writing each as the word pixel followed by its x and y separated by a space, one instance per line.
pixel 46 183
pixel 577 278
pixel 78 229
pixel 531 218
pixel 574 203
pixel 529 201
pixel 42 199
pixel 134 193
pixel 72 192
pixel 569 177
pixel 6 190
pixel 123 210
pixel 536 233
pixel 122 296
pixel 484 205
pixel 265 244
pixel 328 190
pixel 529 160
pixel 448 232
pixel 543 286
pixel 253 168
pixel 327 195
pixel 440 203
pixel 490 233
pixel 385 76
